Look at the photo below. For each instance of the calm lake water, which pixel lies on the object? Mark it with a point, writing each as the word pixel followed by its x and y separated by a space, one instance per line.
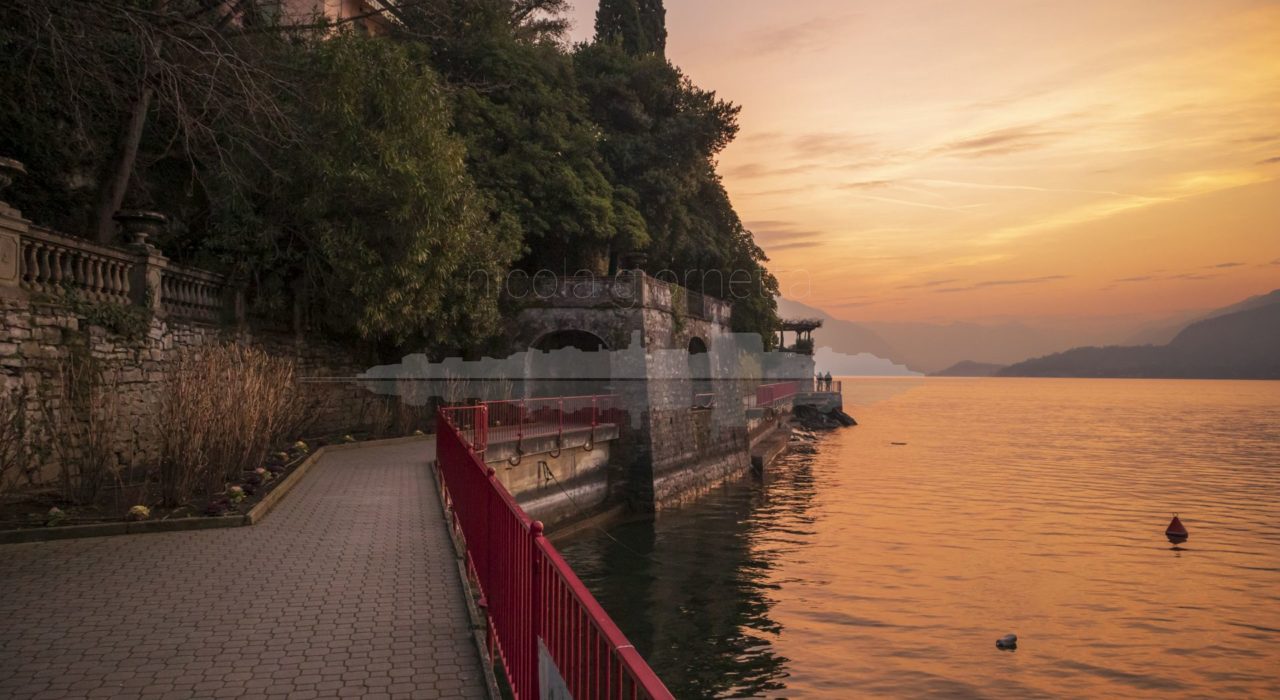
pixel 1034 506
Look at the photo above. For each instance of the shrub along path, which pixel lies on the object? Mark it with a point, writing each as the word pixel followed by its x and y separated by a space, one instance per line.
pixel 348 588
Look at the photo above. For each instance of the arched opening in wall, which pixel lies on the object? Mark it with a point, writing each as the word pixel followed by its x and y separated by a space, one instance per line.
pixel 700 373
pixel 568 363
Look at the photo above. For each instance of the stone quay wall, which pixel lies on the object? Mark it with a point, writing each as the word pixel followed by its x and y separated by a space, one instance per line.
pixel 674 451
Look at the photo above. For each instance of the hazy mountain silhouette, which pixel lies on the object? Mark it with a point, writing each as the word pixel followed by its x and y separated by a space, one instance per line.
pixel 968 368
pixel 1233 345
pixel 936 348
pixel 930 347
pixel 1164 331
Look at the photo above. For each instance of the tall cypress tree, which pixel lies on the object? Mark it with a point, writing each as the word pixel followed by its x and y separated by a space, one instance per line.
pixel 639 26
pixel 653 21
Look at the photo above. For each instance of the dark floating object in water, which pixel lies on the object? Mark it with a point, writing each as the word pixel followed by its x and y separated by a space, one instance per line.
pixel 897 443
pixel 1176 532
pixel 1009 641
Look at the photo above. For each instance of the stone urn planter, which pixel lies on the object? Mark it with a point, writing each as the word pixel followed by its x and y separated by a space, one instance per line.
pixel 10 169
pixel 139 225
pixel 633 260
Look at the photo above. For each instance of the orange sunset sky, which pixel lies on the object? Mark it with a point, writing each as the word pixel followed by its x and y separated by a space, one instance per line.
pixel 982 160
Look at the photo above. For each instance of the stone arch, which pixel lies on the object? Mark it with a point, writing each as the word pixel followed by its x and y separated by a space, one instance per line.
pixel 585 341
pixel 567 362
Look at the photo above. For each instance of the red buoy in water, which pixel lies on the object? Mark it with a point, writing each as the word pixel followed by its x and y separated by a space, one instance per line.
pixel 1176 532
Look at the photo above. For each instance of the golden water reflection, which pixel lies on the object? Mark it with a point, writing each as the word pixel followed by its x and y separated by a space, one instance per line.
pixel 1033 506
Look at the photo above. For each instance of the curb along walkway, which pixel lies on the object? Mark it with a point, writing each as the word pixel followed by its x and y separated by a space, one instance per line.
pixel 349 588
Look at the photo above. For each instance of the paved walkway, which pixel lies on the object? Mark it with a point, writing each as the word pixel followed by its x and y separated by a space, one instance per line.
pixel 349 588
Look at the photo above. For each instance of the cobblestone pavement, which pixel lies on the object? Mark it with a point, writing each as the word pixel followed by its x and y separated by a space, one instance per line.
pixel 349 588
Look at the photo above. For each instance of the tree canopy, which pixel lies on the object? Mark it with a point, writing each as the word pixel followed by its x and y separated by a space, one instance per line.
pixel 361 180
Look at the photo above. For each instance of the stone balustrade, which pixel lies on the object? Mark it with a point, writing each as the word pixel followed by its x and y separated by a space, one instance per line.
pixel 586 291
pixel 36 262
pixel 664 295
pixel 625 290
pixel 187 292
pixel 51 263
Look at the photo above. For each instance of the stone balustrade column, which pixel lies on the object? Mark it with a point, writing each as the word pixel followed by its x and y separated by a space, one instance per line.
pixel 239 309
pixel 146 281
pixel 12 229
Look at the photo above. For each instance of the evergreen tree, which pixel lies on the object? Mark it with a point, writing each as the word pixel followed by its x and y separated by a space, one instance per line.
pixel 653 21
pixel 531 144
pixel 660 136
pixel 638 26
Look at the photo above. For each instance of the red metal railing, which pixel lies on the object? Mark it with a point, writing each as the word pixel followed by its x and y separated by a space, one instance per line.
pixel 770 394
pixel 530 593
pixel 514 420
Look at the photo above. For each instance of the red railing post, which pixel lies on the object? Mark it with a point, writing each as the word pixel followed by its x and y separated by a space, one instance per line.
pixel 520 424
pixel 488 523
pixel 535 606
pixel 594 408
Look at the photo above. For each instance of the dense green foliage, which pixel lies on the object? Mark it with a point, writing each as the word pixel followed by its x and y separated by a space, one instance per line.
pixel 661 136
pixel 531 145
pixel 373 217
pixel 363 181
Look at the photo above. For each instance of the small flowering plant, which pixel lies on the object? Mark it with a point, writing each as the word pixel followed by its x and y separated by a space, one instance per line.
pixel 56 516
pixel 264 474
pixel 301 446
pixel 139 513
pixel 348 438
pixel 235 494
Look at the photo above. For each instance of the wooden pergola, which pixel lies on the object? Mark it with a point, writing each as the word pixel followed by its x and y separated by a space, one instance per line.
pixel 802 327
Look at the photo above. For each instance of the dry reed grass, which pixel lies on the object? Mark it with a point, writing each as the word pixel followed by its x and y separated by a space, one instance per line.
pixel 455 389
pixel 222 409
pixel 378 416
pixel 415 409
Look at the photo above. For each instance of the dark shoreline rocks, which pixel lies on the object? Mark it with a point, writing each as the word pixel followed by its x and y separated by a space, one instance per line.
pixel 813 419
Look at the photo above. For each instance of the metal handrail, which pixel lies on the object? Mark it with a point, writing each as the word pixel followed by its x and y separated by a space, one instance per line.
pixel 533 598
pixel 770 394
pixel 509 421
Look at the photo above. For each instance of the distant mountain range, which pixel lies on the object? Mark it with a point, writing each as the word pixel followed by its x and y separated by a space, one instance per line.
pixel 971 349
pixel 1162 333
pixel 1234 345
pixel 969 368
pixel 931 347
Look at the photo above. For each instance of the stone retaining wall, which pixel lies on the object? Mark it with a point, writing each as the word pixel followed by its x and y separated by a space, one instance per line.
pixel 37 339
pixel 692 453
pixel 125 312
